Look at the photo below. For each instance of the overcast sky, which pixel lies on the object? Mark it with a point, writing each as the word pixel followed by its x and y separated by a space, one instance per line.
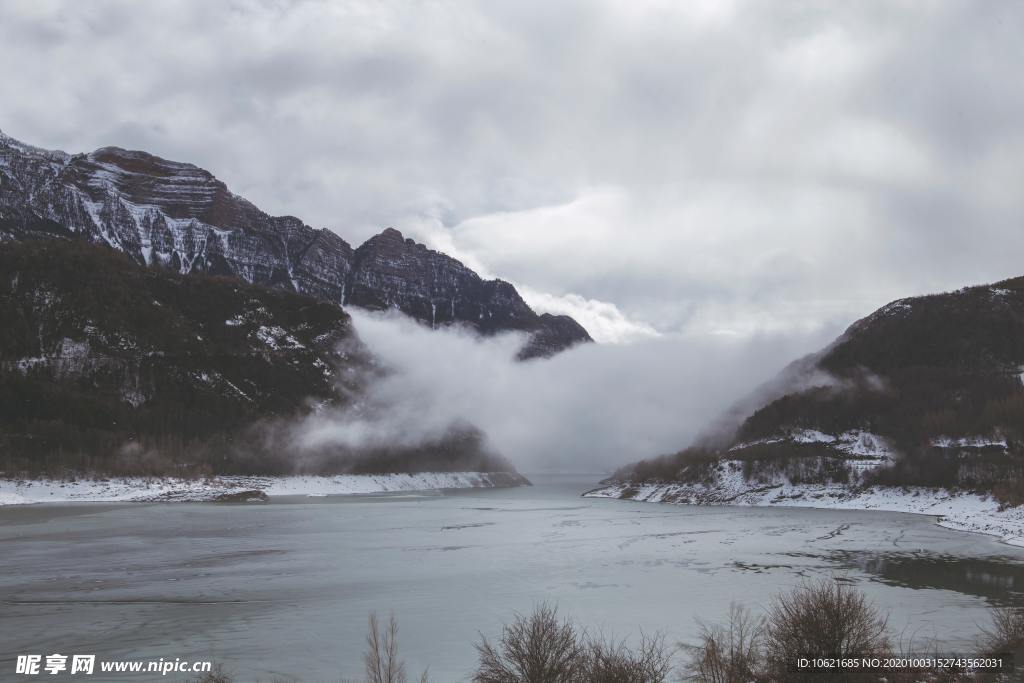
pixel 654 167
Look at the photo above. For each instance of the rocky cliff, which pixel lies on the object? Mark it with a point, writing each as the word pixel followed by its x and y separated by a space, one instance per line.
pixel 180 217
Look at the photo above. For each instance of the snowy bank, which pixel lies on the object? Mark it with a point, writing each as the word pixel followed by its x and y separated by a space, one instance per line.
pixel 240 488
pixel 954 510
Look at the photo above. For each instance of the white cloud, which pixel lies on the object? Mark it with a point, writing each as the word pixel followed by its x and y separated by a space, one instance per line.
pixel 603 320
pixel 592 408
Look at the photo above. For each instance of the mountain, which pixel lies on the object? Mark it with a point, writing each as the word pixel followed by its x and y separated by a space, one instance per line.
pixel 390 271
pixel 182 218
pixel 107 366
pixel 926 391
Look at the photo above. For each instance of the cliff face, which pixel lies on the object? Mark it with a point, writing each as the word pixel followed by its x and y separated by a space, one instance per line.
pixel 181 217
pixel 391 271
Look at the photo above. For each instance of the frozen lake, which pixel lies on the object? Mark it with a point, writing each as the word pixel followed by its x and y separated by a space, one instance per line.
pixel 285 588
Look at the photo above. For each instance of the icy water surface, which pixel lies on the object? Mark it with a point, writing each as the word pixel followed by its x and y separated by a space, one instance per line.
pixel 285 588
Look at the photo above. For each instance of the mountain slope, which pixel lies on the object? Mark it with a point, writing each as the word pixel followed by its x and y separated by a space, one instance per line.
pixel 181 217
pixel 110 367
pixel 926 391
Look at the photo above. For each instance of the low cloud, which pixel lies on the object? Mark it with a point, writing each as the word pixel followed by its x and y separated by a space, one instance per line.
pixel 602 319
pixel 590 409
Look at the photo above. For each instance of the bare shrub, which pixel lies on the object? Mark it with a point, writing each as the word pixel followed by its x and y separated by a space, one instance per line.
pixel 729 653
pixel 610 662
pixel 541 648
pixel 823 619
pixel 217 675
pixel 381 657
pixel 1007 631
pixel 534 649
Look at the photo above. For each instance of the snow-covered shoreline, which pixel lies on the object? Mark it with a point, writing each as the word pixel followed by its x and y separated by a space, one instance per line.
pixel 953 510
pixel 239 488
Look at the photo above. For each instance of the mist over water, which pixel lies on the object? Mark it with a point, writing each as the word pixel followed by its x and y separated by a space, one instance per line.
pixel 590 409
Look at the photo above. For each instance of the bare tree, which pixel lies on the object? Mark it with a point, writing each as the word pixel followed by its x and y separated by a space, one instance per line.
pixel 381 657
pixel 1004 637
pixel 610 662
pixel 823 619
pixel 730 653
pixel 541 648
pixel 534 649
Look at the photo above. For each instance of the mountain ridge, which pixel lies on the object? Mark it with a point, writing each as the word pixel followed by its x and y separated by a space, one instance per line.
pixel 179 216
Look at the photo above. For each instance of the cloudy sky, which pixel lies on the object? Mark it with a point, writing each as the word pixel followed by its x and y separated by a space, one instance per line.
pixel 655 167
pixel 713 187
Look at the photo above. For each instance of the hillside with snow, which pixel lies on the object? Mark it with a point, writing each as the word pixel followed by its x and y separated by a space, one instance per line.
pixel 922 398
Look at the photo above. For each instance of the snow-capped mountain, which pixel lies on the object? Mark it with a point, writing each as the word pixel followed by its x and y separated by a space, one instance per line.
pixel 181 217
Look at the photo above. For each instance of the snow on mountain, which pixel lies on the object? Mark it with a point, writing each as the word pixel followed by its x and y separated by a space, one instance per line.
pixel 181 217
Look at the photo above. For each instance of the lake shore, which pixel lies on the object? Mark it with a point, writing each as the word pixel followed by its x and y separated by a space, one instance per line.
pixel 960 511
pixel 240 488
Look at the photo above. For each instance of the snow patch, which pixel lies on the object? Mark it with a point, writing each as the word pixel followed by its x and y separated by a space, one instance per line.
pixel 954 510
pixel 863 444
pixel 277 338
pixel 899 307
pixel 172 489
pixel 970 442
pixel 864 448
pixel 811 436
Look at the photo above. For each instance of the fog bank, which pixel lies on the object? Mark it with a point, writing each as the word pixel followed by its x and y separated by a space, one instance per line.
pixel 589 409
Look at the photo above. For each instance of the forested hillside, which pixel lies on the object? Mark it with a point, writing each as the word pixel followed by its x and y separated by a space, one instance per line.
pixel 925 391
pixel 107 366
